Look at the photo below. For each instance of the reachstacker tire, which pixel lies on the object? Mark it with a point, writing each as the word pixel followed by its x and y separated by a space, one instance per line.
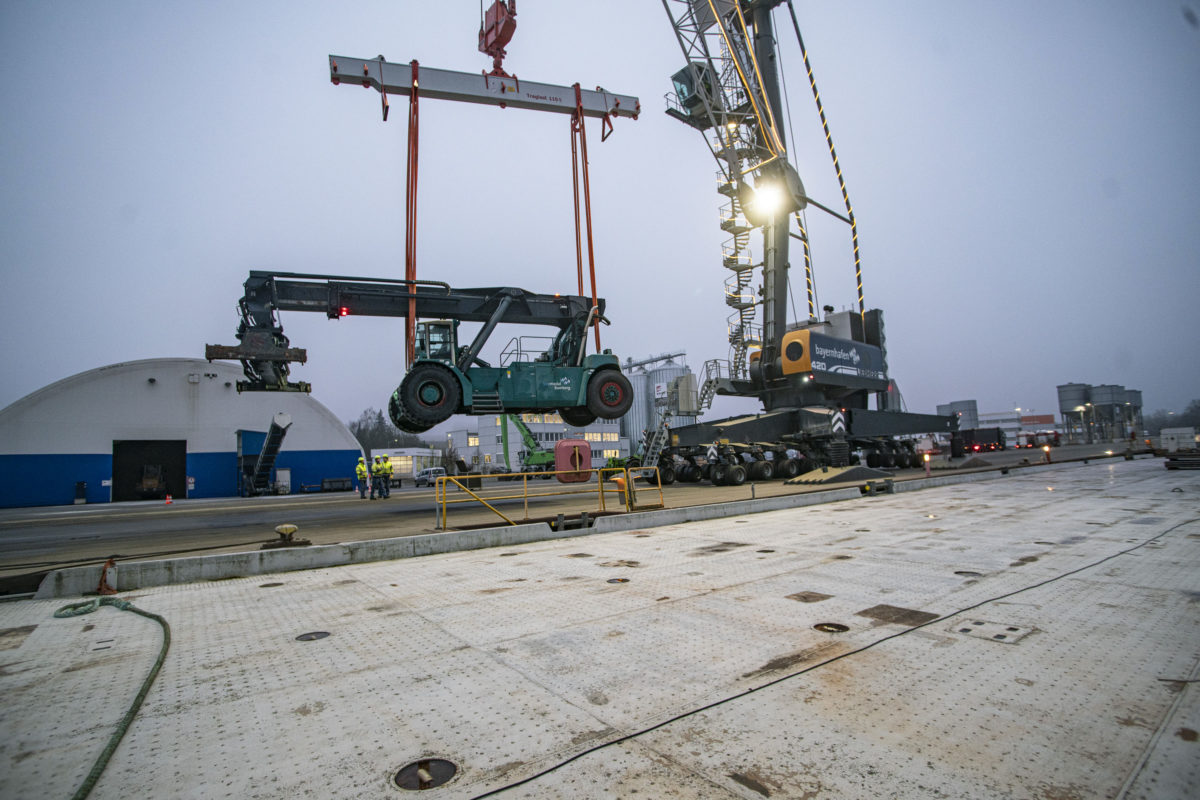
pixel 609 394
pixel 577 416
pixel 400 418
pixel 429 394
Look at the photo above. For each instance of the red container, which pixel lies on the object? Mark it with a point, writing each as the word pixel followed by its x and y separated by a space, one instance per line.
pixel 573 460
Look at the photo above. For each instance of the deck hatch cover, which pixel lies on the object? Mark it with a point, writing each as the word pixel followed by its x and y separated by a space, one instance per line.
pixel 992 631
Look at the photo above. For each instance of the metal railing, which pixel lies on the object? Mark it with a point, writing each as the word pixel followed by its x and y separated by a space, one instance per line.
pixel 606 482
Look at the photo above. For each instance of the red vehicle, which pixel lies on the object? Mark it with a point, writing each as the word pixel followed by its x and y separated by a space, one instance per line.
pixel 1037 439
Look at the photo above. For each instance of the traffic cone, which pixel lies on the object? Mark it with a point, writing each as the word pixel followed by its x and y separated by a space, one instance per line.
pixel 168 500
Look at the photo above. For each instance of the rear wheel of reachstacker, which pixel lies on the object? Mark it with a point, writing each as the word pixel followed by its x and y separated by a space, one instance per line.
pixel 667 475
pixel 874 460
pixel 737 475
pixel 609 394
pixel 887 460
pixel 429 394
pixel 717 473
pixel 690 473
pixel 577 416
pixel 904 460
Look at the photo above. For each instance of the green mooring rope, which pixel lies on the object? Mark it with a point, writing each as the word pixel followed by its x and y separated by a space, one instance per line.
pixel 87 607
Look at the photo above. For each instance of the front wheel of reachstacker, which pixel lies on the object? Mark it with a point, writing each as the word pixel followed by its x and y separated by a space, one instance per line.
pixel 577 416
pixel 609 394
pixel 400 418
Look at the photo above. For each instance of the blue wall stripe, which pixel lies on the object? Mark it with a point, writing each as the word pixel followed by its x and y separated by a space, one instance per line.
pixel 49 480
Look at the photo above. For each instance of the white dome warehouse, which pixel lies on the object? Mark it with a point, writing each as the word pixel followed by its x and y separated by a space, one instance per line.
pixel 160 426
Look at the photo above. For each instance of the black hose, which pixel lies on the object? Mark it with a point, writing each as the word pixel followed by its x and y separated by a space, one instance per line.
pixel 87 607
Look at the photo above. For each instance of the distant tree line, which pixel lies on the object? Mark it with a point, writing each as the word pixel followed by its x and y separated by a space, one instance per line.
pixel 1188 418
pixel 375 431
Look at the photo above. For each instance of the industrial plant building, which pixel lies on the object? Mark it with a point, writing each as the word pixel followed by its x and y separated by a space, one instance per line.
pixel 652 379
pixel 178 426
pixel 1013 422
pixel 482 446
pixel 1107 412
pixel 1103 413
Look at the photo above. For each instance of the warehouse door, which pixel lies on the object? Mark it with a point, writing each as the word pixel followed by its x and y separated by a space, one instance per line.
pixel 149 469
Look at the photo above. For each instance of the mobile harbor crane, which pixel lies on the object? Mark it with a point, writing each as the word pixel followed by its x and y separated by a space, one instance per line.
pixel 814 378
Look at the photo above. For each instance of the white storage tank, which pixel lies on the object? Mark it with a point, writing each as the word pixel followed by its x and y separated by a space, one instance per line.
pixel 637 419
pixel 660 382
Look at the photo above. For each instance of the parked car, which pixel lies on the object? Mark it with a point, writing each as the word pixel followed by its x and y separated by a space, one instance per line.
pixel 427 477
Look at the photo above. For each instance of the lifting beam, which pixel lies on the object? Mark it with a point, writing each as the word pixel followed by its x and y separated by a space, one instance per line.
pixel 443 84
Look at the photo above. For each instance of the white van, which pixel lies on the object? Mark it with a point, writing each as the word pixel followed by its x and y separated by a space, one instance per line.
pixel 426 477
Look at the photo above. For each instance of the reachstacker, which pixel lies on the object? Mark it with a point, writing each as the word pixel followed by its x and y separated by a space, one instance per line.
pixel 814 377
pixel 445 378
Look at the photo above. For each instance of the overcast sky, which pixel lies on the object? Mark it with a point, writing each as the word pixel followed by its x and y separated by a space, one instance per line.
pixel 1026 178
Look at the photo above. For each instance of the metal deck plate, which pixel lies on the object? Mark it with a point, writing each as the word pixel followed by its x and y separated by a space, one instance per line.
pixel 700 677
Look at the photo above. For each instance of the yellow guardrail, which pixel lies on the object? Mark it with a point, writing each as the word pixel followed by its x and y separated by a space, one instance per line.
pixel 605 482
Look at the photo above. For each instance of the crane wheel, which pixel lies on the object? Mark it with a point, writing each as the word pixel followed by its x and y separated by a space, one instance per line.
pixel 737 475
pixel 400 418
pixel 609 394
pixel 789 469
pixel 429 394
pixel 761 470
pixel 577 416
pixel 718 473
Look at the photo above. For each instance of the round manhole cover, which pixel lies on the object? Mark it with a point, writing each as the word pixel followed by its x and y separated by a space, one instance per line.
pixel 831 627
pixel 312 636
pixel 966 573
pixel 618 580
pixel 428 773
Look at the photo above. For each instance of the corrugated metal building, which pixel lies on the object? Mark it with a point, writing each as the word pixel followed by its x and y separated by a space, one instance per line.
pixel 181 418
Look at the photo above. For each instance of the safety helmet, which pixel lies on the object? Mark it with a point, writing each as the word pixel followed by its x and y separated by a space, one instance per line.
pixel 360 458
pixel 376 458
pixel 385 456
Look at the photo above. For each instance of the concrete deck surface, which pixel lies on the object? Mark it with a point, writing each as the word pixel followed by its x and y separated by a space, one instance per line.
pixel 699 676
